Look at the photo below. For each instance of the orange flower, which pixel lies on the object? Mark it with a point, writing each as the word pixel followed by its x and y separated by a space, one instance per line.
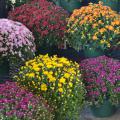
pixel 95 25
pixel 94 37
pixel 117 22
pixel 110 27
pixel 100 22
pixel 102 30
pixel 117 31
pixel 113 23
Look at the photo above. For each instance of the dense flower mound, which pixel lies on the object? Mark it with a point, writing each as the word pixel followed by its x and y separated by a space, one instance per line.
pixel 19 103
pixel 46 20
pixel 95 26
pixel 102 79
pixel 15 39
pixel 57 80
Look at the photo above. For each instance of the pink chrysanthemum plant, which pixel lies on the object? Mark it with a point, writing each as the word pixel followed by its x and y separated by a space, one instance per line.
pixel 16 41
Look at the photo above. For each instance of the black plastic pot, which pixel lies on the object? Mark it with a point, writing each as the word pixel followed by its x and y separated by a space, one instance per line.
pixel 70 5
pixel 70 53
pixel 92 53
pixel 104 110
pixel 113 54
pixel 114 4
pixel 4 70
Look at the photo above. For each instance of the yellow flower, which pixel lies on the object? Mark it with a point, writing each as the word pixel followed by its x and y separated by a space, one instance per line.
pixel 59 85
pixel 51 72
pixel 45 72
pixel 66 75
pixel 60 90
pixel 70 84
pixel 52 79
pixel 40 64
pixel 36 68
pixel 59 65
pixel 62 80
pixel 33 82
pixel 64 61
pixel 103 41
pixel 27 63
pixel 108 44
pixel 52 88
pixel 71 70
pixel 49 66
pixel 30 75
pixel 43 87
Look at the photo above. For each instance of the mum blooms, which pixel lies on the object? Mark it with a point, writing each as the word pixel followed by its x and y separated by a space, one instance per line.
pixel 15 39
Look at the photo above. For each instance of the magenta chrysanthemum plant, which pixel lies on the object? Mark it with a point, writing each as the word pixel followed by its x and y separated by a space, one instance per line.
pixel 15 40
pixel 22 104
pixel 102 79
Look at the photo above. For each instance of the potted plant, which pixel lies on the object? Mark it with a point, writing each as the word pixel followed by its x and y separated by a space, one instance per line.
pixel 102 82
pixel 94 28
pixel 58 81
pixel 16 44
pixel 46 20
pixel 17 103
pixel 16 3
pixel 114 4
pixel 70 5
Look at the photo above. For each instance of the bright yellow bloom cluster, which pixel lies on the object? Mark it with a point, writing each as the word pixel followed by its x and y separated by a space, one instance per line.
pixel 94 25
pixel 51 77
pixel 44 73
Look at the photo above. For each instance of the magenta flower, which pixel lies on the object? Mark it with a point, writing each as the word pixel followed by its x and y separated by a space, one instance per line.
pixel 17 101
pixel 102 78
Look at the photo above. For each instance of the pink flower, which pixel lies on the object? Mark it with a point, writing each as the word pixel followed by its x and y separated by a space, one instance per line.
pixel 14 38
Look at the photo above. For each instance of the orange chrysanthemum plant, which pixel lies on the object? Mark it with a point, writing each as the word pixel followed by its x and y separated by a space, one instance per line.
pixel 94 26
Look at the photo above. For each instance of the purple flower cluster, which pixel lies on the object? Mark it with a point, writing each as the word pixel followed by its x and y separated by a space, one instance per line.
pixel 15 39
pixel 15 101
pixel 102 78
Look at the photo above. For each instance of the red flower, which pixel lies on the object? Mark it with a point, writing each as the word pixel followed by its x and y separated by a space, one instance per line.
pixel 43 18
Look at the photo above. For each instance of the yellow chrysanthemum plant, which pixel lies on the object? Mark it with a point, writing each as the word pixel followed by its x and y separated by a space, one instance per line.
pixel 94 26
pixel 58 81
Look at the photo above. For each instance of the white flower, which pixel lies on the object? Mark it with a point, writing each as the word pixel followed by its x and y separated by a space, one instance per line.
pixel 13 1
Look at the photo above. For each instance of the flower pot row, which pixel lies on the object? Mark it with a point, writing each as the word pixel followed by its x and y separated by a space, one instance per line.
pixel 59 80
pixel 39 76
pixel 70 5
